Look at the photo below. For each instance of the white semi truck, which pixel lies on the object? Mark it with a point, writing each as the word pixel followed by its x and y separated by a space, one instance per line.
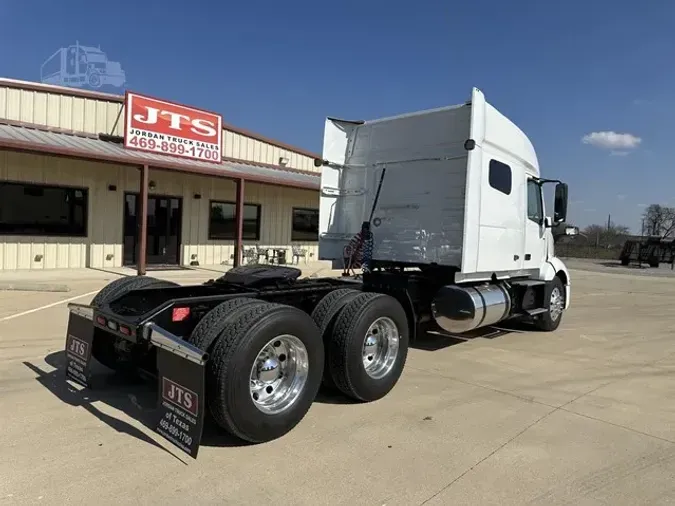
pixel 438 220
pixel 455 191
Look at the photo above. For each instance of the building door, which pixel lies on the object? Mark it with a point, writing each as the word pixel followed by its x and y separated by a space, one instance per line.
pixel 164 219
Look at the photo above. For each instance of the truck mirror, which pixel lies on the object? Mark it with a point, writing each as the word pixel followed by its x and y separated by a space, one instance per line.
pixel 560 203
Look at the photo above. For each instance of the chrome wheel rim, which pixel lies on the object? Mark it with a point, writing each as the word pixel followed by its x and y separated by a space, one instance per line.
pixel 557 303
pixel 380 347
pixel 279 374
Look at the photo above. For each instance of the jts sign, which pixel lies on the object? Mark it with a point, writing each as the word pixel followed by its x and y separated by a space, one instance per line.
pixel 172 129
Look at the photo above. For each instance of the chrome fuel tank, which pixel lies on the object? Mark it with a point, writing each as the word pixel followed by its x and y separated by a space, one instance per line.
pixel 459 309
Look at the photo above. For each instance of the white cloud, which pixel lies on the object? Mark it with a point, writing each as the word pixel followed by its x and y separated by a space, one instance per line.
pixel 612 140
pixel 642 205
pixel 620 197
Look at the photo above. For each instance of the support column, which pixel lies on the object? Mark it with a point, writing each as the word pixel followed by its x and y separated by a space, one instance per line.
pixel 143 222
pixel 239 224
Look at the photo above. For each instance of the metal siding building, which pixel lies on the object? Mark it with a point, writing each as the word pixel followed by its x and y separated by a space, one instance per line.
pixel 50 136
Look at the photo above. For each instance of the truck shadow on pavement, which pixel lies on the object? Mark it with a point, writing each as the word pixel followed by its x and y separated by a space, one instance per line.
pixel 434 340
pixel 136 397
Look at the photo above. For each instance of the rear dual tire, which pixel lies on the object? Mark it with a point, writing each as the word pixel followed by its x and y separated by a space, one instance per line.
pixel 265 368
pixel 366 339
pixel 268 360
pixel 324 315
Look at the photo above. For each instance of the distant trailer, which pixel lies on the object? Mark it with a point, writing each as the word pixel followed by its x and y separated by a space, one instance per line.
pixel 649 250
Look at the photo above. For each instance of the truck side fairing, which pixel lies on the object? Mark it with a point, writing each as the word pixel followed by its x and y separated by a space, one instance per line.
pixel 436 203
pixel 420 211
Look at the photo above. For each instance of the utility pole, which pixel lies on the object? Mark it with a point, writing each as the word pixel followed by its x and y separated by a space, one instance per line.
pixel 642 236
pixel 609 222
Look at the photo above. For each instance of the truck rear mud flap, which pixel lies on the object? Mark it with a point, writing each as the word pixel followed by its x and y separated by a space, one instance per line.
pixel 179 416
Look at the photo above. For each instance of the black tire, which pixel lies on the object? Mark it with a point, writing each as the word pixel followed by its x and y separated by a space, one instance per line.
pixel 545 321
pixel 346 346
pixel 324 315
pixel 248 330
pixel 212 324
pixel 654 262
pixel 104 347
pixel 119 287
pixel 625 260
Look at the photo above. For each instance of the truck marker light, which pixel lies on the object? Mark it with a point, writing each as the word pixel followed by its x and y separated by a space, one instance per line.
pixel 180 314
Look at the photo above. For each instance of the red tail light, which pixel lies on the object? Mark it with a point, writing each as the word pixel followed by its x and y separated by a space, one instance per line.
pixel 125 330
pixel 180 313
pixel 100 320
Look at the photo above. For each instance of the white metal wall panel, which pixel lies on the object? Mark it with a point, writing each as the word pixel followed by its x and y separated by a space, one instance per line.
pixel 39 113
pixel 27 108
pixel 228 139
pixel 78 115
pixel 53 110
pixel 66 112
pixel 245 148
pixel 103 246
pixel 13 109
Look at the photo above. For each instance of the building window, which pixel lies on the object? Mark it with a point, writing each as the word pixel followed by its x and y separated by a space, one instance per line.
pixel 500 176
pixel 305 225
pixel 222 221
pixel 43 210
pixel 535 208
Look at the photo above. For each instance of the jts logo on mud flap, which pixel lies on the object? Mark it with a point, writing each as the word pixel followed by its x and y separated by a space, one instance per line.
pixel 77 347
pixel 180 396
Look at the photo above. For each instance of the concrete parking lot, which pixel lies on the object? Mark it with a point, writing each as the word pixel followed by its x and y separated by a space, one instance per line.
pixel 582 416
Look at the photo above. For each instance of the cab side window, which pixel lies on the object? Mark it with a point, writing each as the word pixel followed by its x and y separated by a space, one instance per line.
pixel 499 176
pixel 535 209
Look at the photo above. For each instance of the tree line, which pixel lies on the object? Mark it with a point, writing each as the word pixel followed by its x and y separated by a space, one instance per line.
pixel 657 221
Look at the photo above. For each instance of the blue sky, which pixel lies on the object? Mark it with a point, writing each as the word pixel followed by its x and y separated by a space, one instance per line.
pixel 560 70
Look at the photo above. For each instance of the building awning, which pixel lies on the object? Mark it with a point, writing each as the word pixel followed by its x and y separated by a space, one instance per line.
pixel 36 140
